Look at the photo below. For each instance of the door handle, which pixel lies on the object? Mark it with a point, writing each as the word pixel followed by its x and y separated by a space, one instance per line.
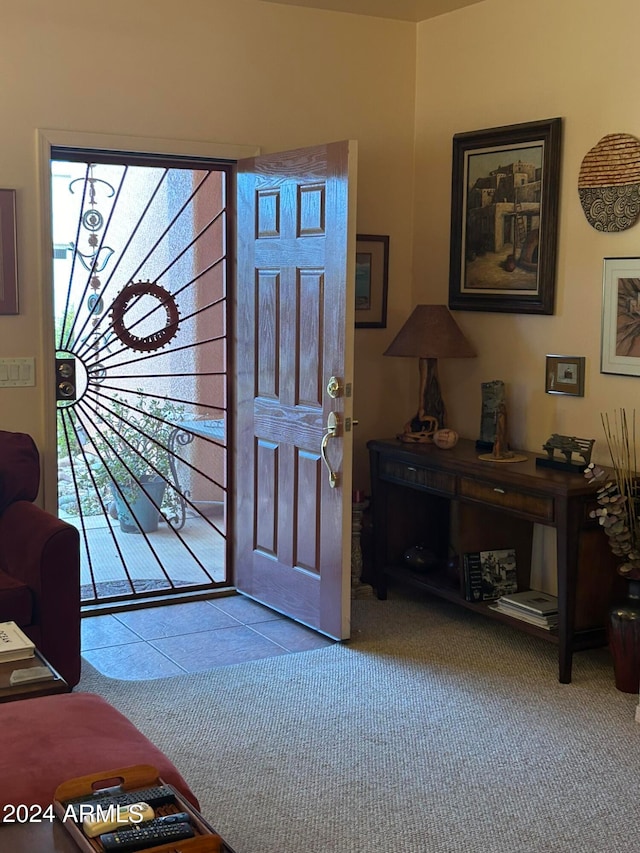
pixel 333 424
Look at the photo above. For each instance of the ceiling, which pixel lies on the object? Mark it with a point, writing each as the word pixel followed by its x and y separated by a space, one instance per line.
pixel 402 10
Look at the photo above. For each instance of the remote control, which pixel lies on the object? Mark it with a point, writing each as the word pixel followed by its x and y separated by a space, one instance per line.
pixel 145 836
pixel 29 674
pixel 104 820
pixel 159 795
pixel 163 820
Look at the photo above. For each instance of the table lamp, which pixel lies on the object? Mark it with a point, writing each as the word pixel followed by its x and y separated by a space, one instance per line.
pixel 430 333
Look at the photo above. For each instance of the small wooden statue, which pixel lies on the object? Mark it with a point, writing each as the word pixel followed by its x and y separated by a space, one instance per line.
pixel 501 444
pixel 501 452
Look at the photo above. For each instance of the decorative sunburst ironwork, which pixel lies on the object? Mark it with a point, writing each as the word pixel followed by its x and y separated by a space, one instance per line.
pixel 140 309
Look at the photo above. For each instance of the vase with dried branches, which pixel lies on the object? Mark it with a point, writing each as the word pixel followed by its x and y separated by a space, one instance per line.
pixel 618 513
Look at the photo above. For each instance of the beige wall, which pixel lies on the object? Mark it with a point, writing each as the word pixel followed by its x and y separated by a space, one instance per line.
pixel 235 71
pixel 486 66
pixel 253 73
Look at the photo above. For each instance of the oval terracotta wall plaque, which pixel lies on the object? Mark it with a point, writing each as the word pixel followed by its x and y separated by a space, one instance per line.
pixel 609 183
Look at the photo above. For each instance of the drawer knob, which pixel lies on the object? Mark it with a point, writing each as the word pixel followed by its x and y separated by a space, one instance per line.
pixel 409 468
pixel 500 491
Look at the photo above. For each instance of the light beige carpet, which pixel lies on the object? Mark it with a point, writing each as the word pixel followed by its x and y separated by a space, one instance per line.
pixel 433 730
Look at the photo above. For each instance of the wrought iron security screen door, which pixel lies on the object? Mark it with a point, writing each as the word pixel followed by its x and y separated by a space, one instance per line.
pixel 141 316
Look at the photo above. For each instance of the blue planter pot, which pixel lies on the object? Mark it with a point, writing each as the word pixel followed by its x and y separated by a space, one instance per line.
pixel 142 514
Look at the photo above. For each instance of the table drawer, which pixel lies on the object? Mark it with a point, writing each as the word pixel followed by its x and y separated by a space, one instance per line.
pixel 413 475
pixel 533 506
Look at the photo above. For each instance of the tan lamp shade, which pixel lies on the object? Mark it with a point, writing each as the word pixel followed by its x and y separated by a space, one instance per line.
pixel 430 333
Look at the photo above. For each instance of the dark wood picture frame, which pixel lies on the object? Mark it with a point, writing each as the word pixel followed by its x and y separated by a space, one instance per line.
pixel 564 374
pixel 505 190
pixel 8 253
pixel 372 281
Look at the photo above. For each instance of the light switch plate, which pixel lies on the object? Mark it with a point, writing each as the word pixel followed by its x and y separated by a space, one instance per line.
pixel 16 372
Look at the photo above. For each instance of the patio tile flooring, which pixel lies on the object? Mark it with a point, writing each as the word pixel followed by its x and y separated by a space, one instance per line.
pixel 172 639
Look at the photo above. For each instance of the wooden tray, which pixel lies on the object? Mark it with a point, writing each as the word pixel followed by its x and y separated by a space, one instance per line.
pixel 131 779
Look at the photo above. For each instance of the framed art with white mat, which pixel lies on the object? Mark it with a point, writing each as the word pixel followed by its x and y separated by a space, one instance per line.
pixel 620 351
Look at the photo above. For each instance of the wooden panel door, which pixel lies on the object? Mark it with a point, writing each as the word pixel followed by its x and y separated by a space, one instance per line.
pixel 295 316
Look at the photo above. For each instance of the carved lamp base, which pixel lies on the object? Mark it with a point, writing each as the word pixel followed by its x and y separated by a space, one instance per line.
pixel 419 431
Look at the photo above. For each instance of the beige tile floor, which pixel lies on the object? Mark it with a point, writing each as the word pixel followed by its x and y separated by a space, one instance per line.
pixel 172 639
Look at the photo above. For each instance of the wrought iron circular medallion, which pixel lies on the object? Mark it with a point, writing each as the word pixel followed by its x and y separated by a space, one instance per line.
pixel 157 339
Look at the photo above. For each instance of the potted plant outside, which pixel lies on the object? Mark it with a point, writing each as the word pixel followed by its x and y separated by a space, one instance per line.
pixel 134 470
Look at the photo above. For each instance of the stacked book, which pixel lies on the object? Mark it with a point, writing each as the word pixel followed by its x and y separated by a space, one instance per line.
pixel 532 606
pixel 14 643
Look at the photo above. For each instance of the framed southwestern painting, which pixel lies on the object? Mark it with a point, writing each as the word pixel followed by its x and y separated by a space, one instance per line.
pixel 504 218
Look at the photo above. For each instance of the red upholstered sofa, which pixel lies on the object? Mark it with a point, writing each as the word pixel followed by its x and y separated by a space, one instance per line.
pixel 39 561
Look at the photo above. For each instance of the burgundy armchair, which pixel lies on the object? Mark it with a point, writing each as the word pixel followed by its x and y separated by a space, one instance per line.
pixel 39 561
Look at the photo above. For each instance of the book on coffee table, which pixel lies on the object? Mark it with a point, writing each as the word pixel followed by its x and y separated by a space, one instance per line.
pixel 14 643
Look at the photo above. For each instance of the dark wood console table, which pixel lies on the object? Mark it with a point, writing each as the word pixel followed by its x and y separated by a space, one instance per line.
pixel 452 501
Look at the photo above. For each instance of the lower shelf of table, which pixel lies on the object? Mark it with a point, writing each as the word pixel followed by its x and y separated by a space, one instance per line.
pixel 437 585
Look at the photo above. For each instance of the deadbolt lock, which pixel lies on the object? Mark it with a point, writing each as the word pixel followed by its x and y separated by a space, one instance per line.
pixel 65 379
pixel 334 388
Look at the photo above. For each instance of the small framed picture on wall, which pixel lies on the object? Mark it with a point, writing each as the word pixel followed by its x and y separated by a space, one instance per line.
pixel 565 375
pixel 372 280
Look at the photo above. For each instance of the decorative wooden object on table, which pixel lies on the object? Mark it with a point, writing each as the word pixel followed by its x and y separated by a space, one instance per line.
pixel 430 333
pixel 493 393
pixel 501 452
pixel 417 488
pixel 570 447
pixel 445 439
